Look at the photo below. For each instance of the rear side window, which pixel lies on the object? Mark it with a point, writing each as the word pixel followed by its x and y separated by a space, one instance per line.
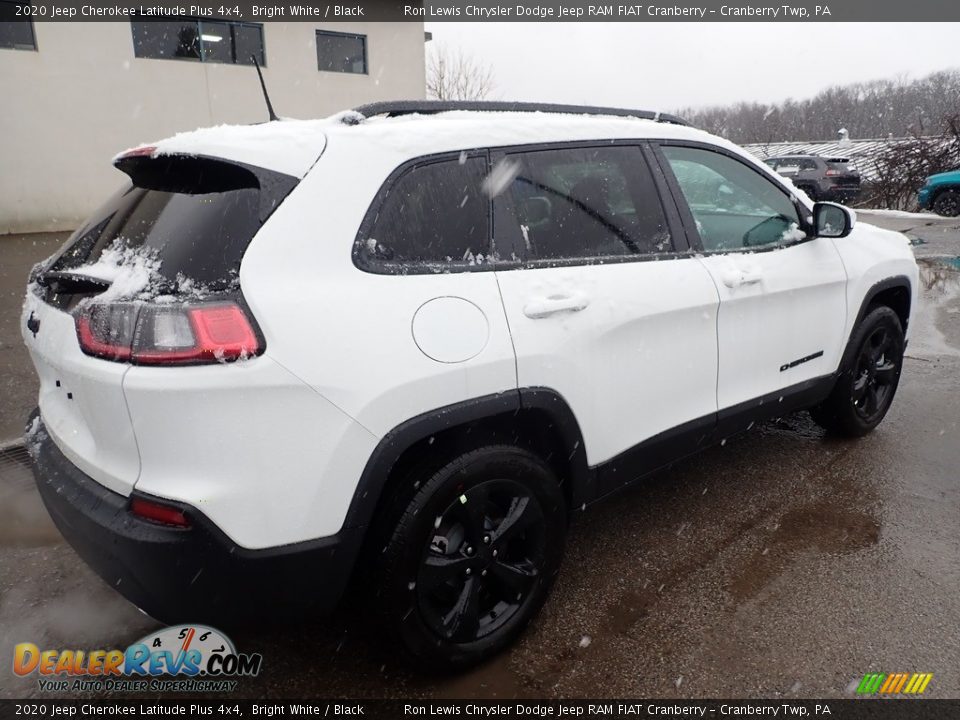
pixel 433 215
pixel 572 203
pixel 189 220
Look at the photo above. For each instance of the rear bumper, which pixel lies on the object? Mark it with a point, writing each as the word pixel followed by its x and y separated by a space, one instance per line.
pixel 194 574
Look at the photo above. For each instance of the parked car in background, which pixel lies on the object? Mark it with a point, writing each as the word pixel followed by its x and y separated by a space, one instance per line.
pixel 941 193
pixel 831 179
pixel 403 345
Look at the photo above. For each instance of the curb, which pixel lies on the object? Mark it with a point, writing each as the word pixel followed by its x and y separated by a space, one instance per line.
pixel 9 445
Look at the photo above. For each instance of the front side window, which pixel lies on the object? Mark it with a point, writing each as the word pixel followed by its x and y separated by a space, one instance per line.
pixel 734 206
pixel 341 52
pixel 580 203
pixel 16 31
pixel 433 214
pixel 204 40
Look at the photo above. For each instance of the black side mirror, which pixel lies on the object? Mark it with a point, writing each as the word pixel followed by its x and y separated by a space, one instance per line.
pixel 832 220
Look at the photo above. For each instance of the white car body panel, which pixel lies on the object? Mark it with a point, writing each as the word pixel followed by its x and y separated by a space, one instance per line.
pixel 81 400
pixel 347 333
pixel 619 362
pixel 777 307
pixel 249 445
pixel 871 255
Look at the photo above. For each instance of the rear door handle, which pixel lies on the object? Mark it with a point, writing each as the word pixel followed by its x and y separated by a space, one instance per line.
pixel 545 307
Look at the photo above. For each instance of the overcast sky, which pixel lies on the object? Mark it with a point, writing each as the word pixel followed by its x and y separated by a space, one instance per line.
pixel 666 66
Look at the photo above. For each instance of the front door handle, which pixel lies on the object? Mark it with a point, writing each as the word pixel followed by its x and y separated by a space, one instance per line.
pixel 735 278
pixel 547 306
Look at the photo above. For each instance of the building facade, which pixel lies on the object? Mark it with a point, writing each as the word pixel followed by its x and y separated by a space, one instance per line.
pixel 75 94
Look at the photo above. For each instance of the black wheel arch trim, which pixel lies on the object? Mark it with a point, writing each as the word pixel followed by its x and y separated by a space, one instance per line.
pixel 375 475
pixel 901 282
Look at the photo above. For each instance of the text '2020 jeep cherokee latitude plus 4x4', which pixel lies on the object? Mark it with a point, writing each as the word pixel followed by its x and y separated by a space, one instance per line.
pixel 411 340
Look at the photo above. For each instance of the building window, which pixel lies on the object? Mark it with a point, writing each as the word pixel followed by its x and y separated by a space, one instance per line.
pixel 16 31
pixel 217 41
pixel 341 52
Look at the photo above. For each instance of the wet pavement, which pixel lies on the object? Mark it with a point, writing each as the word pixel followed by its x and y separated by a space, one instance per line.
pixel 782 564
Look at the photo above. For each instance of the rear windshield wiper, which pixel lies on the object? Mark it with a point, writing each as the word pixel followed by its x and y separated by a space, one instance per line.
pixel 69 282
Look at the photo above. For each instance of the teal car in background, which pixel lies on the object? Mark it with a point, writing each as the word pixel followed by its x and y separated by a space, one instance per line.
pixel 941 193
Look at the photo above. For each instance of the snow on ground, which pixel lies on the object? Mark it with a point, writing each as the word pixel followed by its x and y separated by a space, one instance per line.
pixel 901 214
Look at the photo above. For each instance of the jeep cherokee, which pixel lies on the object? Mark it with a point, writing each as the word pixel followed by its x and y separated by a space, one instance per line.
pixel 407 342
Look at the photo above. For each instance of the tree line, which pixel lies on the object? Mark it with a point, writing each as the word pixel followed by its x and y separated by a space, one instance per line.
pixel 876 109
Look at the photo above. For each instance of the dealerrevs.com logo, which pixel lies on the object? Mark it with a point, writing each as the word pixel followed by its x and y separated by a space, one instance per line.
pixel 182 658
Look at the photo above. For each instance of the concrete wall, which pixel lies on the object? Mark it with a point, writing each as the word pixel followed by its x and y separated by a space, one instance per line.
pixel 83 97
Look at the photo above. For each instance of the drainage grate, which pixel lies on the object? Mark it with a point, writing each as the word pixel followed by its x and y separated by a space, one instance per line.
pixel 14 459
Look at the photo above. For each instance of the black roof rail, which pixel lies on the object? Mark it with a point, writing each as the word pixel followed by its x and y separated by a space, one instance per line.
pixel 430 107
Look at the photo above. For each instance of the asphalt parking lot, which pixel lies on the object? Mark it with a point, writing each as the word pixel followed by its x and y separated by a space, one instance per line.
pixel 782 564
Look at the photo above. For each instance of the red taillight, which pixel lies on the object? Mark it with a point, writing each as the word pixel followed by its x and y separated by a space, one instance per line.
pixel 93 345
pixel 106 331
pixel 159 512
pixel 175 334
pixel 832 173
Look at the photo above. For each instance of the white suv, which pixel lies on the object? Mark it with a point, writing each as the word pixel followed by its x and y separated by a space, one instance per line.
pixel 408 341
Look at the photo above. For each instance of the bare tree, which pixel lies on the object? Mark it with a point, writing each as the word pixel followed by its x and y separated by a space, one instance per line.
pixel 453 75
pixel 872 109
pixel 904 167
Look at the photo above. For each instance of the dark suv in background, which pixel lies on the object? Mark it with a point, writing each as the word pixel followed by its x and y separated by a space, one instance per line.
pixel 831 179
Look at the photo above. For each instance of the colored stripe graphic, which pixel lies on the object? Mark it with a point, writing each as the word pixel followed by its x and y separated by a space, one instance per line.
pixel 891 681
pixel 874 683
pixel 913 684
pixel 894 683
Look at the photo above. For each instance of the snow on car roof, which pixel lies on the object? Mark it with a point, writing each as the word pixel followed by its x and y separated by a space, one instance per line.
pixel 293 146
pixel 286 146
pixel 464 129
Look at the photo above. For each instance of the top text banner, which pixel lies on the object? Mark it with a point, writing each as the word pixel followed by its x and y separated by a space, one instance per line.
pixel 482 11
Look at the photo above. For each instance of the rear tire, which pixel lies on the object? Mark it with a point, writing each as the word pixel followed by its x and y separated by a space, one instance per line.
pixel 947 203
pixel 473 557
pixel 869 378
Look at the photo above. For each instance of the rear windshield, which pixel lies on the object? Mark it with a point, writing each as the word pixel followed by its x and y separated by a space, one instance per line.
pixel 191 219
pixel 841 165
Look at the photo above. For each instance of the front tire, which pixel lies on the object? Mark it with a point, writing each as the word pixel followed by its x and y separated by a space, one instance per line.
pixel 869 379
pixel 473 557
pixel 947 203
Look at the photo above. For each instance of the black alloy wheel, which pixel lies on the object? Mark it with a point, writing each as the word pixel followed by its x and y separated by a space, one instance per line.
pixel 876 374
pixel 868 377
pixel 472 556
pixel 487 550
